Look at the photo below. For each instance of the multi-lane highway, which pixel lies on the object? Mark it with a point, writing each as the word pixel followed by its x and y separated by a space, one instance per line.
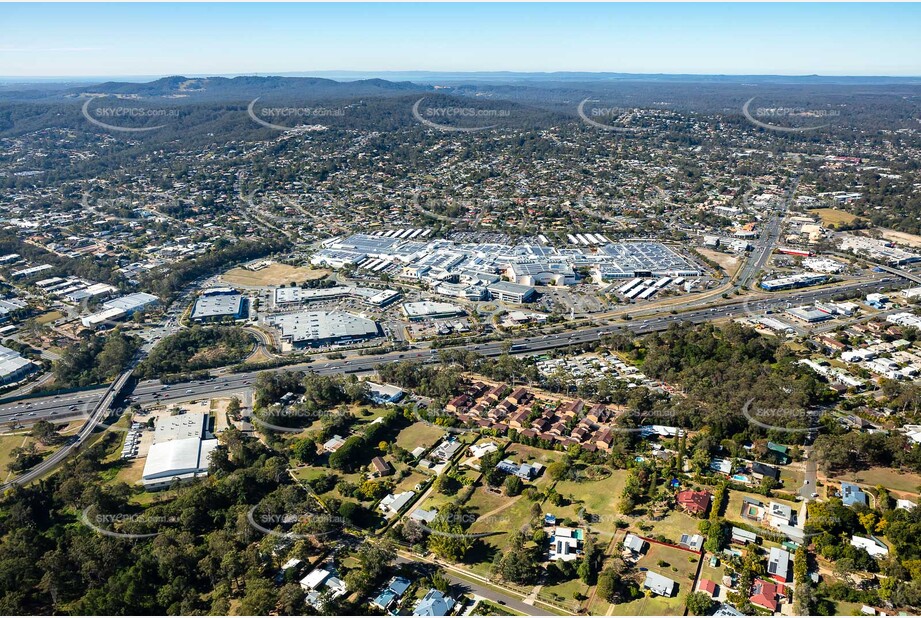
pixel 76 405
pixel 107 397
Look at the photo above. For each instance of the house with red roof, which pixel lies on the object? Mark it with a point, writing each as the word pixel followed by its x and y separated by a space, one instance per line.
pixel 694 502
pixel 708 586
pixel 764 594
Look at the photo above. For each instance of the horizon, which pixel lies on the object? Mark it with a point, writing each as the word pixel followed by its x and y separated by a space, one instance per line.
pixel 357 75
pixel 87 41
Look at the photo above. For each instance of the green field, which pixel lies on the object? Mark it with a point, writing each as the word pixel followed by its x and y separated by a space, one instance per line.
pixel 7 444
pixel 650 606
pixel 681 565
pixel 567 591
pixel 419 434
pixel 598 498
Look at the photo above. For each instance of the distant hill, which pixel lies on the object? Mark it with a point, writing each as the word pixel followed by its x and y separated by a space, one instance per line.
pixel 210 88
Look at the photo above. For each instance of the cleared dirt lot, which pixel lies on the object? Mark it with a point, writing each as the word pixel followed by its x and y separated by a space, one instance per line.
pixel 274 274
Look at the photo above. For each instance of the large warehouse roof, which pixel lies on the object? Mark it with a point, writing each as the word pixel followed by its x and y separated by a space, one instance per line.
pixel 217 306
pixel 323 325
pixel 178 458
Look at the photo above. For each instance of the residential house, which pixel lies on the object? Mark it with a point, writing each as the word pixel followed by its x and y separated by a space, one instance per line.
pixel 743 537
pixel 566 544
pixel 871 545
pixel 694 502
pixel 391 593
pixel 760 471
pixel 779 565
pixel 852 494
pixel 659 584
pixel 434 603
pixel 380 467
pixel 391 504
pixel 764 595
pixel 707 586
pixel 634 543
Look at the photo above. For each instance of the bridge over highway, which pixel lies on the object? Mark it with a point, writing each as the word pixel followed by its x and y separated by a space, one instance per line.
pixel 99 412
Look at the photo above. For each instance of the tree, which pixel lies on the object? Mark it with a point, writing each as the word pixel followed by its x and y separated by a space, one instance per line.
pixel 699 603
pixel 607 585
pixel 558 470
pixel 513 485
pixel 449 540
pixel 260 598
pixel 233 407
pixel 45 432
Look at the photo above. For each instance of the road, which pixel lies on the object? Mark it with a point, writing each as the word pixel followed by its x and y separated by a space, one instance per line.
pixel 58 408
pixel 470 585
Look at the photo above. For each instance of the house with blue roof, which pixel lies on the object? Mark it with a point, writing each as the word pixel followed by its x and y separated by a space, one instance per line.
pixel 391 594
pixel 852 494
pixel 434 603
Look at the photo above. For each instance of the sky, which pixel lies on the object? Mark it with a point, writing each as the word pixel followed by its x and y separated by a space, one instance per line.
pixel 93 40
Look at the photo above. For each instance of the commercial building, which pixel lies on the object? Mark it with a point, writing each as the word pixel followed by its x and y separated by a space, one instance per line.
pixel 180 451
pixel 809 315
pixel 511 292
pixel 103 318
pixel 320 328
pixel 541 272
pixel 384 393
pixel 369 296
pixel 426 309
pixel 219 304
pixel 793 281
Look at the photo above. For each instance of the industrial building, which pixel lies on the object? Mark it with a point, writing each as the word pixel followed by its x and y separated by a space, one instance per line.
pixel 119 309
pixel 320 328
pixel 13 367
pixel 132 303
pixel 218 304
pixel 181 449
